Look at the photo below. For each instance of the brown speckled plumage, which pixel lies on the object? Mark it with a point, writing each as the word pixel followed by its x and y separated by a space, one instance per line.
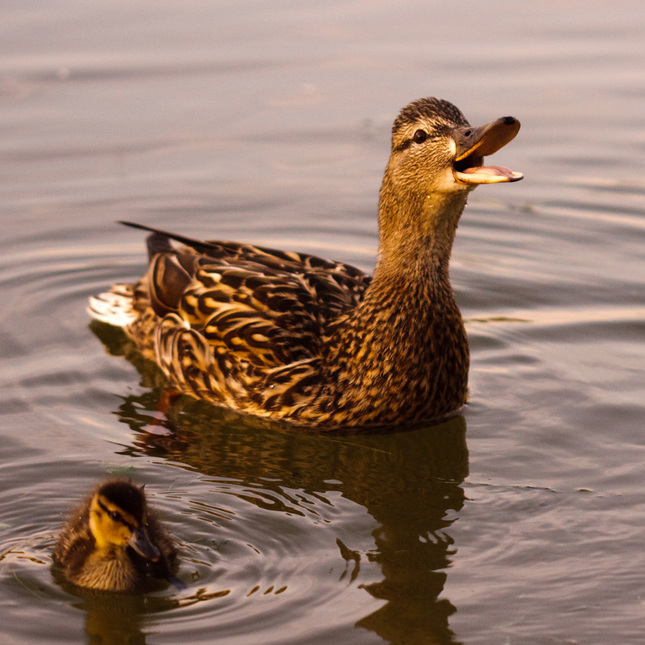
pixel 292 336
pixel 89 557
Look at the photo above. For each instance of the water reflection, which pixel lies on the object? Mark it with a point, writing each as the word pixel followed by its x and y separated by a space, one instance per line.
pixel 113 619
pixel 408 482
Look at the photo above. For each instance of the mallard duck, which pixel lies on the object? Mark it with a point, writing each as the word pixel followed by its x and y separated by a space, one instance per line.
pixel 296 337
pixel 113 543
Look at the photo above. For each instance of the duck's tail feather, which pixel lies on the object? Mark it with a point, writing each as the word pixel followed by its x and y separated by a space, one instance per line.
pixel 114 307
pixel 198 245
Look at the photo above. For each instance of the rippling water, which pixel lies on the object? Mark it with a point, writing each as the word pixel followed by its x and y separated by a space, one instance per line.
pixel 518 522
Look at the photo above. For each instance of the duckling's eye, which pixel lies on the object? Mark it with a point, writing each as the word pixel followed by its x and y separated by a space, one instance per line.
pixel 115 516
pixel 420 136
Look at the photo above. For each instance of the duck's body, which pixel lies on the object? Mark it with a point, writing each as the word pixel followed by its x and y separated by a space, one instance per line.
pixel 296 337
pixel 113 543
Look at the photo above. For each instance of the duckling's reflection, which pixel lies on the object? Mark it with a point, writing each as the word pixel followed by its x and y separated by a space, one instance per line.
pixel 409 482
pixel 115 618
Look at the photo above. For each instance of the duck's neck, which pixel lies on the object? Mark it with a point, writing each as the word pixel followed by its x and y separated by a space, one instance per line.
pixel 416 232
pixel 402 354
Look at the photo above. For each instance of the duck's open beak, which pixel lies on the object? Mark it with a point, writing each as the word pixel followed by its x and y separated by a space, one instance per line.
pixel 473 144
pixel 141 543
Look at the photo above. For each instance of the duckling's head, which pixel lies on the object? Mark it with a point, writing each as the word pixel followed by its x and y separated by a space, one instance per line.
pixel 118 518
pixel 437 159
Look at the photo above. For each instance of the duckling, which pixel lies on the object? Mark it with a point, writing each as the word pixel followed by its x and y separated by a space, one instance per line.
pixel 113 543
pixel 295 337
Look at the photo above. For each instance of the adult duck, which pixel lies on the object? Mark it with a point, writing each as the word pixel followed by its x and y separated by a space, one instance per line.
pixel 296 337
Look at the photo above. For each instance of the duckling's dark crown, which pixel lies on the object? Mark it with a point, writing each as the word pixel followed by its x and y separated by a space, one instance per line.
pixel 429 109
pixel 125 495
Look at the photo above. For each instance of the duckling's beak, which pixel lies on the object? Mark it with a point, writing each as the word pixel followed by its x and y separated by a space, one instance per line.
pixel 473 144
pixel 141 543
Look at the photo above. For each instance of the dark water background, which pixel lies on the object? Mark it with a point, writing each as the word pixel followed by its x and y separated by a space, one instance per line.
pixel 520 522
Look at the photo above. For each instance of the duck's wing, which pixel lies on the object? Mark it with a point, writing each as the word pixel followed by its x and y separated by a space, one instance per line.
pixel 271 306
pixel 234 322
pixel 75 542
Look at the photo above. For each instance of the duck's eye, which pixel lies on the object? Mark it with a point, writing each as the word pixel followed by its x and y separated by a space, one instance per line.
pixel 115 516
pixel 420 136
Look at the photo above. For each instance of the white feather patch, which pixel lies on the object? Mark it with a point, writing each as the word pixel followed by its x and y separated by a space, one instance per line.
pixel 113 307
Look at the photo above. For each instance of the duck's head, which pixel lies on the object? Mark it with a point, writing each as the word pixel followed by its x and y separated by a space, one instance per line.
pixel 437 159
pixel 118 517
pixel 435 149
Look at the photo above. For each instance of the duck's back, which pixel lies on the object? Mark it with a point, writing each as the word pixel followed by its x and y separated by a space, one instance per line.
pixel 268 307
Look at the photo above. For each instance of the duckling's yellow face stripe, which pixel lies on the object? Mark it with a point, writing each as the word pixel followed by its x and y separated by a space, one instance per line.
pixel 111 525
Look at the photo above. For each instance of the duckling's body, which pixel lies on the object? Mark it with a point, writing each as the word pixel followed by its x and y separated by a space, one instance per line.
pixel 296 337
pixel 113 543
